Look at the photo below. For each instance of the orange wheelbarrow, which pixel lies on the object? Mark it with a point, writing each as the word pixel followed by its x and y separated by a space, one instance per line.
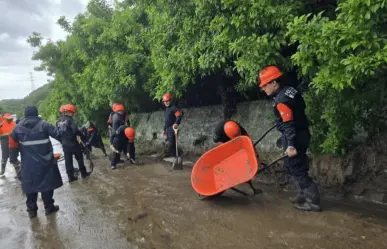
pixel 226 166
pixel 58 156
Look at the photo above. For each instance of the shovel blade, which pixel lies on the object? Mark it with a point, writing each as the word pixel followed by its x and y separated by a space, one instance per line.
pixel 177 164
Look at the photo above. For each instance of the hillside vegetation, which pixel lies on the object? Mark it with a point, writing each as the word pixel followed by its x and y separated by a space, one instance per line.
pixel 37 97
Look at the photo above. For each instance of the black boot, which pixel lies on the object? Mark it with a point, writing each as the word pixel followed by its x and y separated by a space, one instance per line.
pixel 300 197
pixel 85 174
pixel 32 213
pixel 312 199
pixel 52 209
pixel 72 177
pixel 2 169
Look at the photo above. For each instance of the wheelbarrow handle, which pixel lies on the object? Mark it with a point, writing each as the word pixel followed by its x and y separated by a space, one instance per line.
pixel 264 135
pixel 272 163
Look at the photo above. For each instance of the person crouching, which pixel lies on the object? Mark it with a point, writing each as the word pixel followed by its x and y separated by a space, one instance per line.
pixel 122 140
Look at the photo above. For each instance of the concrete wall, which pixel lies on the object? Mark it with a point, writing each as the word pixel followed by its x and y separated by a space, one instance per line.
pixel 362 173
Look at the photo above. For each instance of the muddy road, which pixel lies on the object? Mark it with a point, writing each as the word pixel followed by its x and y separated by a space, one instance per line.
pixel 149 207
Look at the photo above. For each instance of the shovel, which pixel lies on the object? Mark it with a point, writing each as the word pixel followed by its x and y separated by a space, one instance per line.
pixel 177 161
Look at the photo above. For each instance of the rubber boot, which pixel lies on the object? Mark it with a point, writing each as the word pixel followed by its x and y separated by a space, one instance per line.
pixel 85 174
pixel 2 169
pixel 71 176
pixel 300 197
pixel 312 199
pixel 52 209
pixel 32 213
pixel 17 170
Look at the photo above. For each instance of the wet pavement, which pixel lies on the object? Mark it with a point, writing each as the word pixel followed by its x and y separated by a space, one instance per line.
pixel 81 222
pixel 150 207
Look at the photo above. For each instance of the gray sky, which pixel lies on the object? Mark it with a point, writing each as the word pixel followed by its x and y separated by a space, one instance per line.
pixel 18 20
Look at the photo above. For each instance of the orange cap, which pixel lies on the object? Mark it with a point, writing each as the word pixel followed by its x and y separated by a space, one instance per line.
pixel 130 133
pixel 68 108
pixel 7 116
pixel 268 74
pixel 118 107
pixel 167 97
pixel 232 129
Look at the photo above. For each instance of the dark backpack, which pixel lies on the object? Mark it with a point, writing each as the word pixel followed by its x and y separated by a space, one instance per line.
pixel 63 127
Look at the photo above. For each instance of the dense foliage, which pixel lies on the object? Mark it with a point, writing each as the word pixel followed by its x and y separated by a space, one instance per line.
pixel 136 50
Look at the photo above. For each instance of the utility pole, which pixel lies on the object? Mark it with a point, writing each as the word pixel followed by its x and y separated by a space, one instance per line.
pixel 32 82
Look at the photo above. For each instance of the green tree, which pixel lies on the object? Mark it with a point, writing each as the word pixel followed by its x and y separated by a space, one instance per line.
pixel 345 59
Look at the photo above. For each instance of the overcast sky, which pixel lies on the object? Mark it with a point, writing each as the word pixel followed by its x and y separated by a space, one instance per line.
pixel 18 20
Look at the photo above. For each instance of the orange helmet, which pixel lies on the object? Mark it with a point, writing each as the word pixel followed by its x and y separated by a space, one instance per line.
pixel 118 107
pixel 68 108
pixel 8 116
pixel 268 74
pixel 232 129
pixel 130 133
pixel 167 97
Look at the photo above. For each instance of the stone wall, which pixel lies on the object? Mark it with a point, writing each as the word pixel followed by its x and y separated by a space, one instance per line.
pixel 362 173
pixel 198 124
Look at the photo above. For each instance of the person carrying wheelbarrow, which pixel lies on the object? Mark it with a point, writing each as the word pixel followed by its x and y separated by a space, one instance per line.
pixel 291 121
pixel 172 120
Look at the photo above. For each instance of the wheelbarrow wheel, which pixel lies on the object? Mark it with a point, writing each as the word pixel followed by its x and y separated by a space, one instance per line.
pixel 203 197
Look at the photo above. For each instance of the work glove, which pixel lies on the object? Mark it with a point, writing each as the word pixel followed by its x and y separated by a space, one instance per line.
pixel 114 149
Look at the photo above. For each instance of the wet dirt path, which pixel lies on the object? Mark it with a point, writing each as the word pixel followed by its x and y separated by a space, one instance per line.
pixel 150 207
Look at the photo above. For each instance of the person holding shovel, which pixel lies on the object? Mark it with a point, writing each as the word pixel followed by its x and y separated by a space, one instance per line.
pixel 172 119
pixel 291 121
pixel 92 137
pixel 122 140
pixel 71 142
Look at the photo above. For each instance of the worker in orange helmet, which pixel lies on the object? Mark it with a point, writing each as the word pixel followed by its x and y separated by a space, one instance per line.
pixel 172 118
pixel 122 140
pixel 71 138
pixel 119 118
pixel 291 120
pixel 110 120
pixel 227 130
pixel 6 127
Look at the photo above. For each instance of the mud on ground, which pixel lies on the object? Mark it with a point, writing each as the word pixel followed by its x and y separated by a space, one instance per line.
pixel 158 209
pixel 152 208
